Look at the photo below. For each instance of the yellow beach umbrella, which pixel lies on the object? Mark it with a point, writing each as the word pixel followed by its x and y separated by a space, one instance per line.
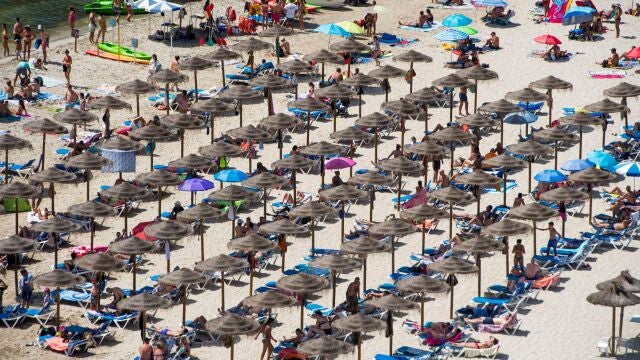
pixel 351 27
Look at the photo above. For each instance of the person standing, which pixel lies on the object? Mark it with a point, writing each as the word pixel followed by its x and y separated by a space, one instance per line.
pixel 518 254
pixel 301 10
pixel 27 37
pixel 25 284
pixel 617 17
pixel 145 350
pixel 102 27
pixel 73 16
pixel 106 120
pixel 92 26
pixel 267 338
pixel 44 43
pixel 175 66
pixel 3 287
pixel 129 4
pixel 464 101
pixel 353 292
pixel 553 241
pixel 66 66
pixel 5 40
pixel 17 35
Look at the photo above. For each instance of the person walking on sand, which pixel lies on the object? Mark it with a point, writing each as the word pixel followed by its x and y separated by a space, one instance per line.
pixel 92 26
pixel 73 16
pixel 5 40
pixel 464 101
pixel 553 241
pixel 17 36
pixel 27 37
pixel 129 5
pixel 353 292
pixel 267 338
pixel 66 66
pixel 102 27
pixel 518 254
pixel 617 17
pixel 44 43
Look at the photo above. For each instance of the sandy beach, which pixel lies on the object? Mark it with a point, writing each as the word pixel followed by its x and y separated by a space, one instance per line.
pixel 559 324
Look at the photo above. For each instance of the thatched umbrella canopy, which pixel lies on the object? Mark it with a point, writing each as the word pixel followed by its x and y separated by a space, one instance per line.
pixel 230 325
pixel 143 302
pixel 391 303
pixel 200 213
pixel 364 246
pixel 250 46
pixel 342 193
pixel 501 108
pixel 477 120
pixel 411 57
pixel 283 227
pixel 303 284
pixel 195 63
pixel 451 136
pixel 58 279
pixel 266 181
pixel 269 82
pixel 44 126
pixel 242 94
pixel 231 194
pixel 167 231
pixel 534 212
pixel 125 191
pixel 375 121
pixel 613 295
pixel 222 54
pixel 530 149
pixel 270 300
pixel 453 81
pixel 53 175
pixel 628 283
pixel 335 263
pixel 423 97
pixel 359 323
pixel 54 226
pixel 479 246
pixel 369 181
pixel 423 284
pixel 10 142
pixel 452 196
pixel 14 245
pixel 349 46
pixel 526 95
pixel 213 107
pixel 220 149
pixel 251 244
pixel 309 104
pixel 392 227
pixel 182 122
pixel 551 83
pixel 384 73
pixel 607 106
pixel 279 122
pixel 477 73
pixel 325 346
pixel 429 151
pixel 151 133
pixel 222 263
pixel 312 210
pixel 294 163
pixel 296 67
pixel 276 31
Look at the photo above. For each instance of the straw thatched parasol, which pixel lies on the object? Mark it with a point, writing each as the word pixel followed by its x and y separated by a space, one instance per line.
pixel 452 266
pixel 359 323
pixel 53 175
pixel 342 193
pixel 628 283
pixel 479 246
pixel 556 135
pixel 182 122
pixel 429 151
pixel 411 57
pixel 151 133
pixel 283 227
pixel 501 108
pixel 322 149
pixel 75 117
pixel 623 90
pixel 269 82
pixel 371 180
pixel 477 73
pixel 607 106
pixel 133 246
pixel 335 263
pixel 375 121
pixel 135 87
pixel 450 136
pixel 125 191
pixel 479 179
pixel 250 132
pixel 182 278
pixel 160 179
pixel 296 67
pixel 613 295
pixel 242 94
pixel 534 212
pixel 58 279
pixel 120 142
pixel 279 122
pixel 325 346
pixel 92 210
pixel 44 126
pixel 452 81
pixel 453 196
pixel 420 214
pixel 270 300
pixel 108 102
pixel 530 149
pixel 403 109
pixel 592 176
pixel 303 284
pixel 276 31
pixel 313 210
pixel 222 263
pixel 477 120
pixel 581 119
pixel 87 161
pixel 221 54
pixel 526 95
pixel 294 163
pixel 195 63
pixel 506 227
pixel 53 226
pixel 358 81
pixel 192 162
pixel 391 303
pixel 266 180
pixel 143 302
pixel 351 133
pixel 364 246
pixel 166 77
pixel 349 46
pixel 199 213
pixel 309 104
pixel 506 163
pixel 230 325
pixel 250 46
pixel 401 166
pixel 392 227
pixel 100 262
pixel 229 195
pixel 213 107
pixel 221 149
pixel 335 92
pixel 251 243
pixel 422 284
pixel 10 142
pixel 323 56
pixel 14 245
pixel 551 83
pixel 384 73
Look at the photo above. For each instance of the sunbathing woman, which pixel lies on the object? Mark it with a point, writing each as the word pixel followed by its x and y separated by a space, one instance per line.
pixel 499 320
pixel 478 344
pixel 168 332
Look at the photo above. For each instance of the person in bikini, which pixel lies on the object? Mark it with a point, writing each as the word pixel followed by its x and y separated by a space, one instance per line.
pixel 500 320
pixel 478 344
pixel 518 254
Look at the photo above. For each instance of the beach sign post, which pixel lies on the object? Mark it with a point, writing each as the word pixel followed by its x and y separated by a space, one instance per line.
pixel 134 45
pixel 75 33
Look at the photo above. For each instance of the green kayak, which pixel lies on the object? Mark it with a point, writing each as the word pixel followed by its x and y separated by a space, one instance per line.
pixel 125 51
pixel 105 7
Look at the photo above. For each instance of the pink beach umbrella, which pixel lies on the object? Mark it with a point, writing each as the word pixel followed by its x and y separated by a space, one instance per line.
pixel 338 163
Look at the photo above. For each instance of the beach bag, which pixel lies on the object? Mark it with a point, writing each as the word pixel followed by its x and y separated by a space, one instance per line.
pixel 452 280
pixel 37 43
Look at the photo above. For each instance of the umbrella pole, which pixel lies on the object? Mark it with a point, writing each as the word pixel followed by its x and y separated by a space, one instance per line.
pixel 335 115
pixel 451 301
pixel 550 106
pixel 126 220
pixel 313 238
pixel 502 130
pixel 15 273
pixel 240 113
pixel 399 188
pixel 359 346
pixel 93 230
pixel 182 144
pixel 75 133
pixel 342 223
pixel 280 143
pixel 590 201
pixel 359 104
pixel 211 120
pixel 478 202
pixel 613 332
pixel 506 257
pixel 534 237
pixel 142 325
pixel 475 97
pixel 201 239
pixel 580 146
pixel 625 115
pixel 411 78
pixel 322 78
pixel 321 170
pixel 555 157
pixel 529 188
pixel 604 128
pixel 308 125
pixel 293 179
pixel 222 290
pixel 231 351
pixel 479 264
pixel 195 81
pixel 264 203
pixel 426 169
pixel 386 94
pixel 371 197
pixel 621 318
pixel 138 104
pixel 250 281
pixel 301 313
pixel 15 200
pixel 450 220
pixel 166 96
pixel 333 290
pixel 55 250
pixel 424 236
pixel 402 131
pixel 504 187
pixel 526 125
pixel 450 107
pixel 393 256
pixel 184 305
pixel 421 310
pixel 159 201
pixel 151 156
pixel 88 181
pixel 375 145
pixel 44 145
pixel 390 340
pixel 6 168
pixel 224 82
pixel 364 272
pixel 134 275
pixel 426 118
pixel 58 309
pixel 452 151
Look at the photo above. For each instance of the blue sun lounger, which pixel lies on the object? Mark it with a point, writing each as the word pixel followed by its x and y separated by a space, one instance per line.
pixel 121 321
pixel 73 296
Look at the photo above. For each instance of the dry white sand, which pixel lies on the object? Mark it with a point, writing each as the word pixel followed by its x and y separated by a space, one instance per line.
pixel 559 325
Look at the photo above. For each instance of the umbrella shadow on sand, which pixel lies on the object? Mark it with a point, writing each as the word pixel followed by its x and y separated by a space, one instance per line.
pixel 510 25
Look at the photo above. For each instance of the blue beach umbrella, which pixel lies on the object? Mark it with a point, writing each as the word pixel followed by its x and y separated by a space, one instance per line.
pixel 577 15
pixel 456 20
pixel 521 118
pixel 451 35
pixel 332 29
pixel 602 160
pixel 628 169
pixel 230 175
pixel 550 176
pixel 577 165
pixel 490 3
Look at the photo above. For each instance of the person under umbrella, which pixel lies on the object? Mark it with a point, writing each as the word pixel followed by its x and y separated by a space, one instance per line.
pixel 99 263
pixel 222 264
pixel 10 142
pixel 477 73
pixel 277 31
pixel 453 266
pixel 108 103
pixel 403 109
pixel 392 227
pixel 296 67
pixel 166 77
pixel 506 163
pixel 58 279
pixel 551 83
pixel 412 57
pixel 423 213
pixel 581 119
pixel 52 176
pixel 423 97
pixel 349 46
pixel 364 246
pixel 279 122
pixel 452 196
pixel 478 178
pixel 249 133
pixel 251 45
pixel 309 105
pixel 269 82
pixel 451 81
pixel 269 300
pixel 401 166
pixel 14 245
pixel 44 126
pixel 592 176
pixel 451 136
pixel 133 247
pixel 371 180
pixel 230 195
pixel 335 92
pixel 294 163
pixel 182 278
pixel 222 54
pixel 323 56
pixel 505 228
pixel 563 195
pixel 423 284
pixel 302 284
pixel 75 117
pixel 385 73
pixel 353 135
pixel 322 149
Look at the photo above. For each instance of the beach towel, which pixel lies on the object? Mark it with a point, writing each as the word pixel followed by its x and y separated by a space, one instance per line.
pixel 105 89
pixel 51 82
pixel 607 74
pixel 565 58
pixel 433 26
pixel 10 118
pixel 47 96
pixel 464 6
